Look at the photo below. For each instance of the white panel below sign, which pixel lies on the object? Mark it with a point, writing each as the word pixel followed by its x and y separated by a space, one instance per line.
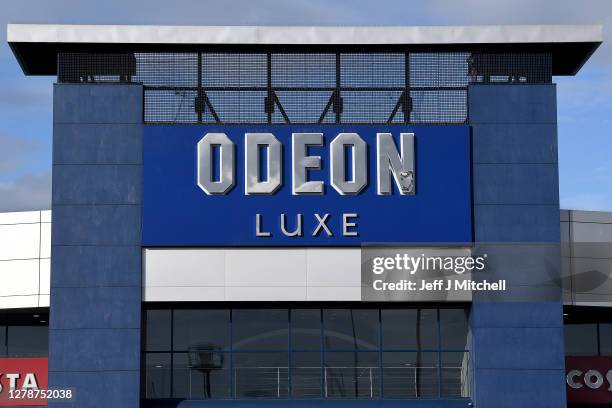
pixel 271 274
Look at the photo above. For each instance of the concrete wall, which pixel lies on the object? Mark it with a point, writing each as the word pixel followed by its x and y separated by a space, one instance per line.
pixel 25 251
pixel 587 257
pixel 94 331
pixel 517 347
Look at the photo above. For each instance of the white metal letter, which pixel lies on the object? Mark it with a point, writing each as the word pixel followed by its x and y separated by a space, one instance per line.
pixel 258 231
pixel 205 163
pixel 390 162
pixel 297 232
pixel 588 379
pixel 301 163
pixel 569 378
pixel 359 164
pixel 346 225
pixel 322 226
pixel 252 178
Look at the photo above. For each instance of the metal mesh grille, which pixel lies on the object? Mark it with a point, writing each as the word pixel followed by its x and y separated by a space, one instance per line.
pixel 305 88
pixel 510 68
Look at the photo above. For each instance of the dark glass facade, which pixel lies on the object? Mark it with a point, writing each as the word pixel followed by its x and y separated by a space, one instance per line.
pixel 24 341
pixel 306 353
pixel 24 333
pixel 588 332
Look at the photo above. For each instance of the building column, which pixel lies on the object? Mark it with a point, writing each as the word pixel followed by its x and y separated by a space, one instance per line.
pixel 94 328
pixel 517 342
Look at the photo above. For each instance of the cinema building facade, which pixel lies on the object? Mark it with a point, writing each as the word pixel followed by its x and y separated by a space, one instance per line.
pixel 222 197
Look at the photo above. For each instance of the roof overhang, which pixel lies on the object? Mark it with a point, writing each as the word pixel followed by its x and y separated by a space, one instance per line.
pixel 36 45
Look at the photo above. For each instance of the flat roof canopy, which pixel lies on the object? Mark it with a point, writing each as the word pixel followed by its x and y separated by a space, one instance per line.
pixel 36 45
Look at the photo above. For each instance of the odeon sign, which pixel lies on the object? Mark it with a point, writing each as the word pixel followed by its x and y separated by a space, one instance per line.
pixel 306 185
pixel 390 162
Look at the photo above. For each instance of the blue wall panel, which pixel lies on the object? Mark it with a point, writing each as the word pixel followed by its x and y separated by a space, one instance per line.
pixel 100 184
pixel 177 212
pixel 506 184
pixel 94 328
pixel 515 143
pixel 516 222
pixel 100 389
pixel 517 347
pixel 535 348
pixel 97 104
pixel 106 143
pixel 70 302
pixel 512 104
pixel 87 350
pixel 534 314
pixel 109 265
pixel 520 388
pixel 117 224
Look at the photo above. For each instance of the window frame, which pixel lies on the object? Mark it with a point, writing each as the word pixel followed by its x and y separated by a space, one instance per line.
pixel 289 349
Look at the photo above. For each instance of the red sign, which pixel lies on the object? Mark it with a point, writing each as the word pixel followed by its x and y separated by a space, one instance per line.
pixel 589 380
pixel 18 376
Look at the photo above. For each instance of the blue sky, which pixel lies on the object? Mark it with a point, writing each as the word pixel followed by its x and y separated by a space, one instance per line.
pixel 584 101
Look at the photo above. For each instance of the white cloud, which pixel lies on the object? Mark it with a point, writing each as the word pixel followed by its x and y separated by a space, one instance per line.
pixel 17 152
pixel 30 192
pixel 21 95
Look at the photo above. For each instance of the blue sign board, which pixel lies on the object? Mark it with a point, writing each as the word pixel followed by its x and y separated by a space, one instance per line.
pixel 179 210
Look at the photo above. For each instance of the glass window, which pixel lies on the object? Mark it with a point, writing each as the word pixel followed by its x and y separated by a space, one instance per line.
pixel 453 329
pixel 581 339
pixel 2 341
pixel 306 374
pixel 158 330
pixel 204 328
pixel 306 329
pixel 28 341
pixel 398 329
pixel 351 329
pixel 410 329
pixel 605 339
pixel 261 375
pixel 410 374
pixel 260 329
pixel 352 374
pixel 157 375
pixel 427 329
pixel 399 373
pixel 201 375
pixel 455 375
pixel 307 353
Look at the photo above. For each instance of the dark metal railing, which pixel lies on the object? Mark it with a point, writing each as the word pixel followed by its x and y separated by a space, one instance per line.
pixel 305 88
